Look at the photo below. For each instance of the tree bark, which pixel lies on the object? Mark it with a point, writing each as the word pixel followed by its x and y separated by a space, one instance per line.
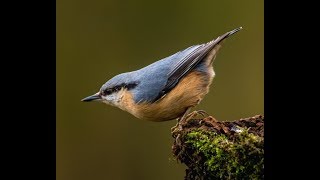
pixel 220 150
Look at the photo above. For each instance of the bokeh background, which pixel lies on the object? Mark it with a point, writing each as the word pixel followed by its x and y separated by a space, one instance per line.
pixel 98 39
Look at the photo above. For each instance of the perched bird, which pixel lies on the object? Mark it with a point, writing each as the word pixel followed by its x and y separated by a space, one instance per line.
pixel 166 89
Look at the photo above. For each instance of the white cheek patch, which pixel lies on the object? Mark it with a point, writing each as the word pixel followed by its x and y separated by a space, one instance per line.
pixel 113 99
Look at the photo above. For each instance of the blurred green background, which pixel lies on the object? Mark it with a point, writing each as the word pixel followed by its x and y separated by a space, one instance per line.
pixel 98 39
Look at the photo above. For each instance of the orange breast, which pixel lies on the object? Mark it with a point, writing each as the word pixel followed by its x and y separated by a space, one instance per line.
pixel 188 93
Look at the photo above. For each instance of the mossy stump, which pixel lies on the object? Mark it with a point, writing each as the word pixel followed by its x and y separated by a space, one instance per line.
pixel 220 150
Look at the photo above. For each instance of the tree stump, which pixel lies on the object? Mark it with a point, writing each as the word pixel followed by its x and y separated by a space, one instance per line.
pixel 213 149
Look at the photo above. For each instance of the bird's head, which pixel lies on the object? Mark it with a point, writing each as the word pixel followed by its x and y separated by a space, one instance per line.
pixel 113 90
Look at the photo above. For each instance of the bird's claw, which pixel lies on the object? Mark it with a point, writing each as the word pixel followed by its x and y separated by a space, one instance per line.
pixel 178 127
pixel 194 114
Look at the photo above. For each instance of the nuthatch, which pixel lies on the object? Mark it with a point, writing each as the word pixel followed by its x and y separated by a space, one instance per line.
pixel 166 89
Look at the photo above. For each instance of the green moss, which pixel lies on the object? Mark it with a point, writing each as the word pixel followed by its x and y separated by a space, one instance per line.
pixel 214 156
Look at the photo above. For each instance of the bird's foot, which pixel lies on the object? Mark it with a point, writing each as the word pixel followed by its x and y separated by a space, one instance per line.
pixel 184 119
pixel 194 114
pixel 177 127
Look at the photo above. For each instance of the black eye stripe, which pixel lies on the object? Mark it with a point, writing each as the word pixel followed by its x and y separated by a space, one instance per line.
pixel 118 88
pixel 131 85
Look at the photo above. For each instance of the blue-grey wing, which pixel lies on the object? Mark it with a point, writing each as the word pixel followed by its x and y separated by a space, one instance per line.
pixel 154 77
pixel 189 62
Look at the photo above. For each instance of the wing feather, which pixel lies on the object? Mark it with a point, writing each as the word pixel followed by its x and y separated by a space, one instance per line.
pixel 190 61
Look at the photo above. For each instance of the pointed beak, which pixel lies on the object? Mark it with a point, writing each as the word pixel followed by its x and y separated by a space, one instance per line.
pixel 92 98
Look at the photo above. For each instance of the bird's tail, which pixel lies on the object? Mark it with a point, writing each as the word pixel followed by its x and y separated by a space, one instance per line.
pixel 224 36
pixel 216 42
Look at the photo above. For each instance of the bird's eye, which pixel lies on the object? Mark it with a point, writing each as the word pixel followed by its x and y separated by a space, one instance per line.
pixel 107 91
